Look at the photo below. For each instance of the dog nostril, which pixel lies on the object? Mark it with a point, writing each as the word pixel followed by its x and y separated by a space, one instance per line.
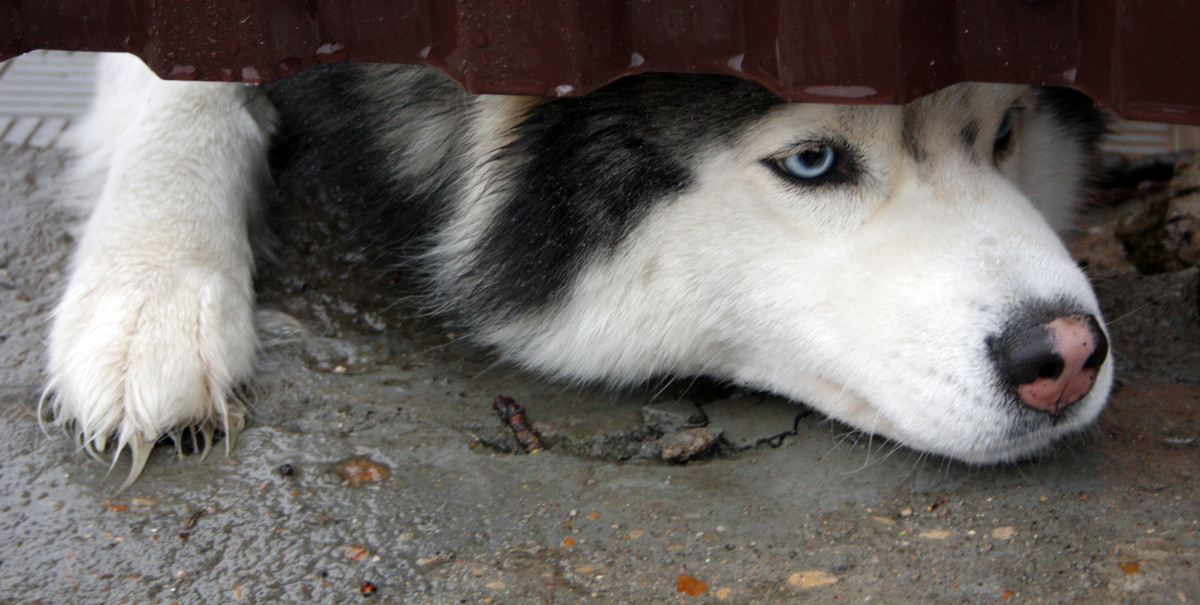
pixel 1031 362
pixel 1025 354
pixel 1051 369
pixel 1100 342
pixel 1052 364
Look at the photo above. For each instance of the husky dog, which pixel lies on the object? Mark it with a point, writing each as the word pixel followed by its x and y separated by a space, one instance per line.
pixel 895 267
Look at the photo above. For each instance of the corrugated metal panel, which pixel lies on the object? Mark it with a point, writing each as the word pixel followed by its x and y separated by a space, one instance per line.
pixel 1138 57
pixel 40 93
pixel 48 84
pixel 1136 139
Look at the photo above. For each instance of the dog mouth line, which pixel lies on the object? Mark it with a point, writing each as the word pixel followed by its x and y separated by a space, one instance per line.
pixel 1021 433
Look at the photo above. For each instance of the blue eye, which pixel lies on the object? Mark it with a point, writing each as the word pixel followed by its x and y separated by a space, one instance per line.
pixel 810 164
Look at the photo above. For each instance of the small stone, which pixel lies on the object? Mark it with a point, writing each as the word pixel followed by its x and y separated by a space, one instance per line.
pixel 672 416
pixel 356 552
pixel 1003 533
pixel 811 579
pixel 319 519
pixel 690 585
pixel 431 560
pixel 367 588
pixel 684 445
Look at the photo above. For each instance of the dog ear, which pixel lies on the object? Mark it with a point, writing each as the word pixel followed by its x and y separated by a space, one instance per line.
pixel 1058 157
pixel 1076 113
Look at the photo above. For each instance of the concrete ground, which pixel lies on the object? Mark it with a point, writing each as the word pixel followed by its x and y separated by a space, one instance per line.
pixel 374 469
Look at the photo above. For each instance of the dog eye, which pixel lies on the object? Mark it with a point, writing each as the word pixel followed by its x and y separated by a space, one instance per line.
pixel 1003 134
pixel 810 164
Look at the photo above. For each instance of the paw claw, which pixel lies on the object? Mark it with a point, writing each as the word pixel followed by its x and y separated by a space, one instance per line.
pixel 139 449
pixel 229 418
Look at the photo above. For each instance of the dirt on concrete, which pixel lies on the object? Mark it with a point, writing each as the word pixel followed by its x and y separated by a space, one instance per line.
pixel 374 468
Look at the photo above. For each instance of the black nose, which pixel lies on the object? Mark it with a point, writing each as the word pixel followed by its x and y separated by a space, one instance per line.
pixel 1051 364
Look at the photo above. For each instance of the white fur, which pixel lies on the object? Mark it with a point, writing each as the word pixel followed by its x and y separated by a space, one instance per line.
pixel 156 326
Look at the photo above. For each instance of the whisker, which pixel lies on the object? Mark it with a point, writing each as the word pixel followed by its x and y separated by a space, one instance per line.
pixel 1143 306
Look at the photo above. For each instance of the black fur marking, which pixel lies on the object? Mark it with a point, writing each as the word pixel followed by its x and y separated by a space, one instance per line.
pixel 578 176
pixel 1076 112
pixel 909 137
pixel 970 136
pixel 583 172
pixel 339 139
pixel 1002 144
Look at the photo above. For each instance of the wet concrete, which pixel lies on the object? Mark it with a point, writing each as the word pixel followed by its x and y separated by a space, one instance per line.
pixel 784 507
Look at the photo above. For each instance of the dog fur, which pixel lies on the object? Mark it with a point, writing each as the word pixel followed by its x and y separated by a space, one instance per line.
pixel 651 227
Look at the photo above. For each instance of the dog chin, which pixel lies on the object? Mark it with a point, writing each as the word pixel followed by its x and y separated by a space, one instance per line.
pixel 1005 433
pixel 1021 438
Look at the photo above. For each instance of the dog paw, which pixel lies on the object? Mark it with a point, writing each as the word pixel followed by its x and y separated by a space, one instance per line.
pixel 140 350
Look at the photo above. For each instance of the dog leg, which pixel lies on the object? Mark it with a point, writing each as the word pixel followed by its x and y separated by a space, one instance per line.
pixel 157 323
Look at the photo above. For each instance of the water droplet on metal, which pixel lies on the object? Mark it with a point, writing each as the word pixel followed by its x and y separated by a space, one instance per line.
pixel 288 66
pixel 250 75
pixel 841 92
pixel 183 72
pixel 331 52
pixel 134 44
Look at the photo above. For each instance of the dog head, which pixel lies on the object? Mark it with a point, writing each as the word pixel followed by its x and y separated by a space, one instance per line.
pixel 896 267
